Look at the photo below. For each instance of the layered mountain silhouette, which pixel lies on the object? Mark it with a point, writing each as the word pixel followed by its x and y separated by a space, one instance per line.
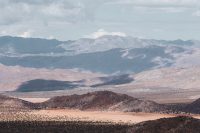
pixel 99 101
pixel 107 54
pixel 105 101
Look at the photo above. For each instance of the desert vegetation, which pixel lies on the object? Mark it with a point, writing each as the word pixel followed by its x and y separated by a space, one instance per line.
pixel 61 127
pixel 25 122
pixel 29 123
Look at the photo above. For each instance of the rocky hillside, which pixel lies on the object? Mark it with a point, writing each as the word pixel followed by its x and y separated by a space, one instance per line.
pixel 166 125
pixel 14 104
pixel 179 124
pixel 99 101
pixel 103 100
pixel 193 107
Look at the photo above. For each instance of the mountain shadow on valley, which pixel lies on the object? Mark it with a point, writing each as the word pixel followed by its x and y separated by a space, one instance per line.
pixel 47 85
pixel 115 80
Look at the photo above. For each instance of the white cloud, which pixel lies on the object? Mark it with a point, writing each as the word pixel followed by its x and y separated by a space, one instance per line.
pixel 168 6
pixel 51 37
pixel 160 3
pixel 47 11
pixel 25 34
pixel 172 9
pixel 197 13
pixel 102 32
pixel 63 18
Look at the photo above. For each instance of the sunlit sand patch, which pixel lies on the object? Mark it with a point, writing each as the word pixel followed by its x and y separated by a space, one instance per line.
pixel 35 100
pixel 116 117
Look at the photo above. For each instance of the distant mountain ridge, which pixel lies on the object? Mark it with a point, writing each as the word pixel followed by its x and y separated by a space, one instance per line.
pixel 99 101
pixel 107 54
pixel 104 101
pixel 111 101
pixel 94 101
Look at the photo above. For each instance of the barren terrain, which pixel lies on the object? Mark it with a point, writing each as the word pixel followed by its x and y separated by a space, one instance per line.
pixel 107 116
pixel 166 85
pixel 11 77
pixel 88 116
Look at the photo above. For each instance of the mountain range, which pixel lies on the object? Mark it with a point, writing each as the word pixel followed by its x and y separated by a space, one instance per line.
pixel 103 101
pixel 159 70
pixel 111 101
pixel 99 101
pixel 95 101
pixel 107 54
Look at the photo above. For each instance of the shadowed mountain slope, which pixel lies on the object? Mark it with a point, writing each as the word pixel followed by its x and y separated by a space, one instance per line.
pixel 179 124
pixel 193 107
pixel 107 54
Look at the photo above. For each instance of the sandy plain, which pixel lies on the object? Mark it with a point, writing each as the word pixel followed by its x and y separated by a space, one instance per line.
pixel 103 116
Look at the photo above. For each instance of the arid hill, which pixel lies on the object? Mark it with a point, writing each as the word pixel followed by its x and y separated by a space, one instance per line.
pixel 99 101
pixel 103 100
pixel 14 104
pixel 193 107
pixel 181 124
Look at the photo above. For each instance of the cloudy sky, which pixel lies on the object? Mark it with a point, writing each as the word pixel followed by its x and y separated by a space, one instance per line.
pixel 72 19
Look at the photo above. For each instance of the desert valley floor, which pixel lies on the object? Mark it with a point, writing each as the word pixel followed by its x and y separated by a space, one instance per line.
pixel 101 116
